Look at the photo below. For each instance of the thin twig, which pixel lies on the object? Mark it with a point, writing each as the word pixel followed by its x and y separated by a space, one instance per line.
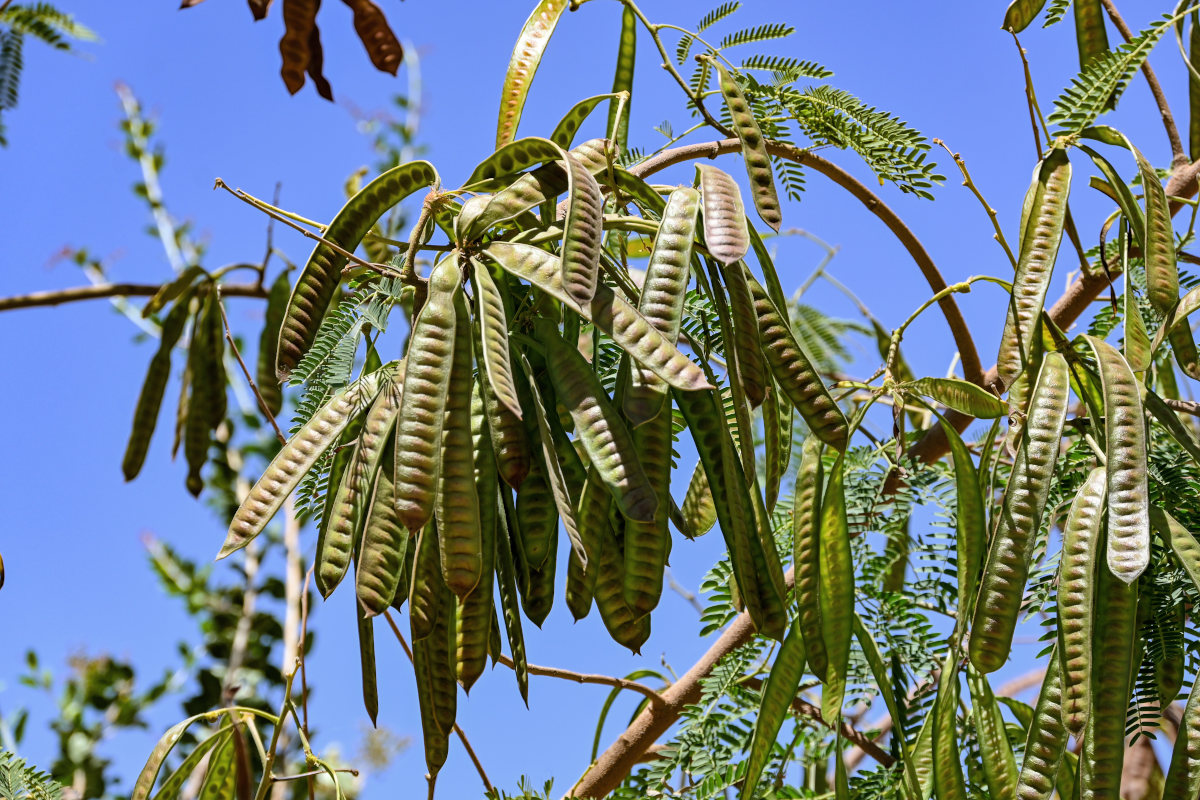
pixel 991 212
pixel 1035 111
pixel 107 290
pixel 1178 154
pixel 312 791
pixel 457 730
pixel 972 367
pixel 262 404
pixel 580 677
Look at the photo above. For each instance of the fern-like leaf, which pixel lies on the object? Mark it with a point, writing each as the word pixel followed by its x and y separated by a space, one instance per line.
pixel 788 65
pixel 761 33
pixel 20 781
pixel 10 67
pixel 1055 11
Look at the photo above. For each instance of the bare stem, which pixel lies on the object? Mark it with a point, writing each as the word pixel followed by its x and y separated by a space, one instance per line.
pixel 107 290
pixel 262 404
pixel 580 677
pixel 991 212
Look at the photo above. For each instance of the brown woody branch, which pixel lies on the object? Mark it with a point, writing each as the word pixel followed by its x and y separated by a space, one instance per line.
pixel 103 290
pixel 972 367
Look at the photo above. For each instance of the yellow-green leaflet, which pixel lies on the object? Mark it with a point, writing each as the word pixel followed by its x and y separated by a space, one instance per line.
pixel 725 233
pixel 699 510
pixel 663 293
pixel 999 765
pixel 1046 739
pixel 618 120
pixel 837 591
pixel 293 460
pixel 1007 565
pixel 806 560
pixel 608 311
pixel 1125 442
pixel 948 780
pixel 778 693
pixel 526 55
pixel 1020 13
pixel 315 288
pixel 960 395
pixel 754 150
pixel 1040 239
pixel 1076 597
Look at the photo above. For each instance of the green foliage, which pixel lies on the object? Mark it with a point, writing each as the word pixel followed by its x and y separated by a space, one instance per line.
pixel 21 781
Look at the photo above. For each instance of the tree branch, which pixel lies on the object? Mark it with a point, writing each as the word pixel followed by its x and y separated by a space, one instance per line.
pixel 103 290
pixel 580 677
pixel 972 367
pixel 1178 154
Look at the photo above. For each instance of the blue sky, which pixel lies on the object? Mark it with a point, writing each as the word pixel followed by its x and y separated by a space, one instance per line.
pixel 72 542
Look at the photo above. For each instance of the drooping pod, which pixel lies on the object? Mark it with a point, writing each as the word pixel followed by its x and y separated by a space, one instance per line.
pixel 426 583
pixel 1020 13
pixel 475 614
pixel 752 370
pixel 1046 740
pixel 624 626
pixel 608 311
pixel 754 150
pixel 1128 544
pixel 385 545
pixel 366 660
pixel 582 232
pixel 510 441
pixel 351 500
pixel 592 517
pixel 1076 597
pixel 663 292
pixel 300 19
pixel 647 544
pixel 1041 235
pixel 599 427
pixel 527 54
pixel 837 590
pixel 537 520
pixel 725 233
pixel 970 521
pixel 999 765
pixel 145 416
pixel 456 505
pixel 423 403
pixel 494 353
pixel 948 780
pixel 1090 33
pixel 564 132
pixel 437 692
pixel 778 693
pixel 268 344
pixel 699 509
pixel 806 558
pixel 794 372
pixel 206 408
pixel 318 282
pixel 506 580
pixel 1007 565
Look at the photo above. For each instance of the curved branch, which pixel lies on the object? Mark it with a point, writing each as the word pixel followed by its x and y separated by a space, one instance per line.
pixel 972 367
pixel 102 290
pixel 580 677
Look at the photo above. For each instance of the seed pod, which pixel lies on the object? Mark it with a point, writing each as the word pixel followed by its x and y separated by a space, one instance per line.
pixel 537 519
pixel 145 416
pixel 663 293
pixel 344 524
pixel 599 427
pixel 962 396
pixel 749 350
pixel 1112 646
pixel 1007 565
pixel 537 590
pixel 754 150
pixel 564 132
pixel 647 544
pixel 1183 776
pixel 174 783
pixel 1090 33
pixel 1046 740
pixel 493 336
pixel 527 54
pixel 778 693
pixel 971 521
pixel 506 578
pixel 777 430
pixel 947 768
pixel 837 590
pixel 318 282
pixel 624 626
pixel 460 538
pixel 433 662
pixel 1125 439
pixel 806 541
pixel 426 584
pixel 725 232
pixel 206 408
pixel 300 19
pixel 380 42
pixel 293 460
pixel 268 344
pixel 219 779
pixel 1020 13
pixel 528 191
pixel 423 404
pixel 1076 588
pixel 1137 340
pixel 699 509
pixel 582 233
pixel 608 311
pixel 999 765
pixel 385 545
pixel 1040 238
pixel 475 613
pixel 794 372
pixel 593 518
pixel 366 660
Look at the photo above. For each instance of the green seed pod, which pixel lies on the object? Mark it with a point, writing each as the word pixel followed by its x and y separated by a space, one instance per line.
pixel 593 518
pixel 537 520
pixel 318 282
pixel 1020 13
pixel 366 660
pixel 948 780
pixel 426 584
pixel 1090 33
pixel 794 372
pixel 1040 237
pixel 423 404
pixel 1046 740
pixel 145 416
pixel 174 783
pixel 385 545
pixel 749 350
pixel 506 579
pixel 582 233
pixel 778 693
pixel 527 54
pixel 493 336
pixel 1076 597
pixel 699 509
pixel 806 540
pixel 1125 439
pixel 999 765
pixel 475 612
pixel 725 232
pixel 647 544
pixel 220 778
pixel 268 344
pixel 624 626
pixel 754 150
pixel 537 595
pixel 437 693
pixel 457 504
pixel 1007 565
pixel 837 590
pixel 564 132
pixel 663 293
pixel 206 409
